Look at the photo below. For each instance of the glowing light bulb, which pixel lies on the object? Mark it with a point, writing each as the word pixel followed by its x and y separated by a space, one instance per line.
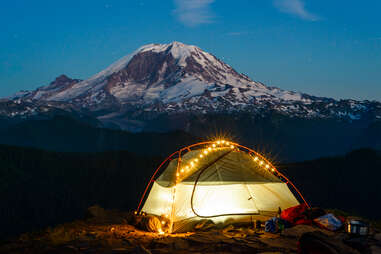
pixel 261 162
pixel 201 155
pixel 231 146
pixel 196 160
pixel 222 141
pixel 136 212
pixel 273 169
pixel 206 152
pixel 214 145
pixel 209 148
pixel 227 143
pixel 182 170
pixel 177 174
pixel 162 222
pixel 267 166
pixel 192 163
pixel 218 142
pixel 256 158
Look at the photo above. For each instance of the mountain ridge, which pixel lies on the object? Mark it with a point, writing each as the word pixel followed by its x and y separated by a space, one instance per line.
pixel 166 87
pixel 174 79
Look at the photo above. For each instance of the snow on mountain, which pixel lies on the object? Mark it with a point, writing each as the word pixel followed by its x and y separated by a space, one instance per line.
pixel 151 72
pixel 175 78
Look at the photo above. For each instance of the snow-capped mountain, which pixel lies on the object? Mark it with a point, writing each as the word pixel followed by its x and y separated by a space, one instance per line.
pixel 177 78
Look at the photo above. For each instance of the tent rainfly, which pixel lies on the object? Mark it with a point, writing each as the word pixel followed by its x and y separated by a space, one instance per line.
pixel 217 180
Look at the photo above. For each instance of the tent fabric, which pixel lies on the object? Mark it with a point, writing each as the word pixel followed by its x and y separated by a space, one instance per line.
pixel 234 167
pixel 230 185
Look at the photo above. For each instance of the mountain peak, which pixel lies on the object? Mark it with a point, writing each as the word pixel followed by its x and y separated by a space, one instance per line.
pixel 176 77
pixel 178 50
pixel 61 79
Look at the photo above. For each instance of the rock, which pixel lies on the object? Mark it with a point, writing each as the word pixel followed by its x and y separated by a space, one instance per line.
pixel 270 253
pixel 96 211
pixel 317 242
pixel 280 242
pixel 152 224
pixel 141 250
pixel 375 249
pixel 299 230
pixel 181 244
pixel 204 225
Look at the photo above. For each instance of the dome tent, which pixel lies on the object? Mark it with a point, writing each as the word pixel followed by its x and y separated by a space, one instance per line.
pixel 218 180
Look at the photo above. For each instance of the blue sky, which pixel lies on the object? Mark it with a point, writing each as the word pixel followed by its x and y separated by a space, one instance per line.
pixel 324 48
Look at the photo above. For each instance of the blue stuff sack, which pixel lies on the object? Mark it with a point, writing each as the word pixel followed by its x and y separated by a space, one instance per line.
pixel 271 225
pixel 329 221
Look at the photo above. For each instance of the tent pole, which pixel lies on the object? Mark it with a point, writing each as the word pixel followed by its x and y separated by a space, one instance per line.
pixel 152 180
pixel 174 194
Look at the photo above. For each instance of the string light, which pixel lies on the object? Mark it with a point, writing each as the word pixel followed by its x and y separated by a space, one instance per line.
pixel 256 158
pixel 218 142
pixel 209 148
pixel 182 170
pixel 163 222
pixel 227 143
pixel 201 155
pixel 267 166
pixel 231 146
pixel 206 152
pixel 261 162
pixel 223 141
pixel 196 160
pixel 214 145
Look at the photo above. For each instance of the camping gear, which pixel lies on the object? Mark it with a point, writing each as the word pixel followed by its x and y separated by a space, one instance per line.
pixel 328 221
pixel 295 215
pixel 315 212
pixel 257 224
pixel 357 227
pixel 275 225
pixel 220 181
pixel 271 225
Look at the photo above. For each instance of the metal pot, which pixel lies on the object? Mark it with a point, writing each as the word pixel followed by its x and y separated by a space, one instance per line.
pixel 357 227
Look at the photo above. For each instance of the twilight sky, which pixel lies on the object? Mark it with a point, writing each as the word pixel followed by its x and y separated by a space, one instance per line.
pixel 324 48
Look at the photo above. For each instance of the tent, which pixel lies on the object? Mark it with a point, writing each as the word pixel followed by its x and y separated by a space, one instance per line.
pixel 218 180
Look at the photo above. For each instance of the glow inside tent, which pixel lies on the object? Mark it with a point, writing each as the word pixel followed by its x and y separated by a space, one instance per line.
pixel 217 181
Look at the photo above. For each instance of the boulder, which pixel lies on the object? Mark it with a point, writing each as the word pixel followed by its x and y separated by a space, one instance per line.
pixel 319 243
pixel 299 230
pixel 96 211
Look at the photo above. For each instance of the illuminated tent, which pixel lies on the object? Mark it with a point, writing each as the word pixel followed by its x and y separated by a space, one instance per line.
pixel 219 180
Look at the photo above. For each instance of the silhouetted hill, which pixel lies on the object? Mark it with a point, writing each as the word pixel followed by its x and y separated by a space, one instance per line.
pixel 40 188
pixel 350 182
pixel 66 134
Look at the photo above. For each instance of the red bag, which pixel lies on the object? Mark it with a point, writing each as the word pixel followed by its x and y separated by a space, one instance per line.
pixel 304 222
pixel 294 214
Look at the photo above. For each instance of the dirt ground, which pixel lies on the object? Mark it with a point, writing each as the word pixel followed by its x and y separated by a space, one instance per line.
pixel 113 234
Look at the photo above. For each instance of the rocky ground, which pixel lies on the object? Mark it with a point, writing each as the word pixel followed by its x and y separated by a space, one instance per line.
pixel 112 232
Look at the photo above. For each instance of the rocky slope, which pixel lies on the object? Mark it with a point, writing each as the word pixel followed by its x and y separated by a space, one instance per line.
pixel 113 232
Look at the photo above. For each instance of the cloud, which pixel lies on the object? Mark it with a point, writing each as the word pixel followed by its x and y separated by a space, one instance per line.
pixel 296 8
pixel 194 12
